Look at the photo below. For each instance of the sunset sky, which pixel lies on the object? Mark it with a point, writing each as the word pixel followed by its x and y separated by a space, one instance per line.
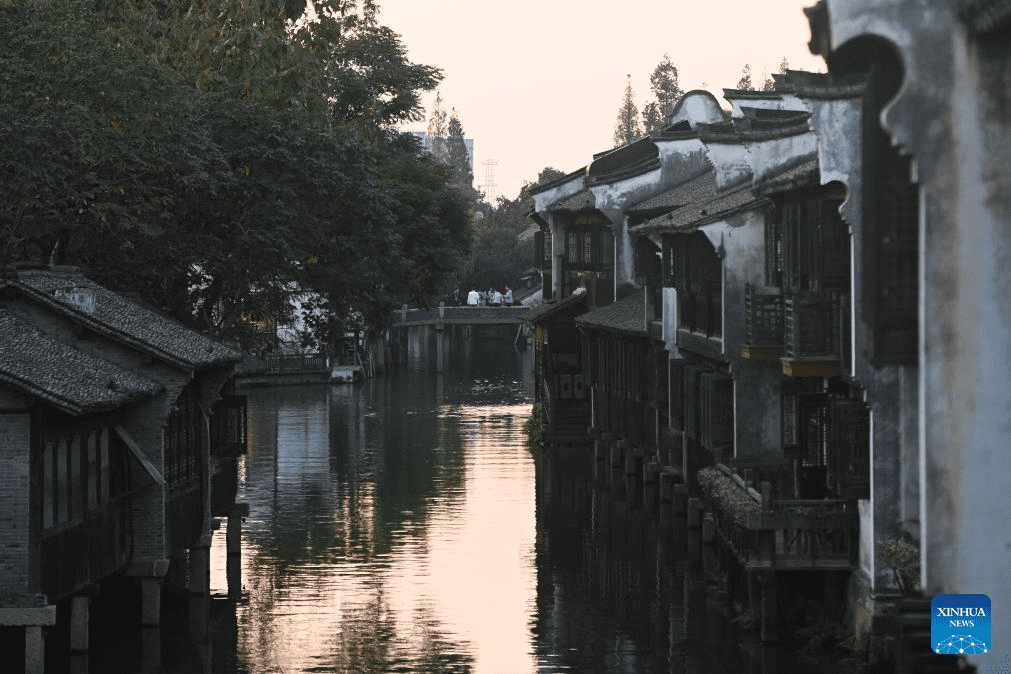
pixel 538 84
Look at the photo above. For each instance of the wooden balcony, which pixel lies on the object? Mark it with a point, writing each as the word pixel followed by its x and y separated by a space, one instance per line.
pixel 763 324
pixel 813 325
pixel 785 535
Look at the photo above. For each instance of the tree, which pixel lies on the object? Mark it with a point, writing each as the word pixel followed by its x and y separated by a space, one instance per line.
pixel 627 128
pixel 438 129
pixel 744 84
pixel 460 172
pixel 664 84
pixel 212 157
pixel 501 257
pixel 770 83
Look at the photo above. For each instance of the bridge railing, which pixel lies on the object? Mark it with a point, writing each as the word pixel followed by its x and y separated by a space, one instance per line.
pixel 464 314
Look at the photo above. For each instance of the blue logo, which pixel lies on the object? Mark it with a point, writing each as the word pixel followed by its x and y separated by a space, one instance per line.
pixel 960 624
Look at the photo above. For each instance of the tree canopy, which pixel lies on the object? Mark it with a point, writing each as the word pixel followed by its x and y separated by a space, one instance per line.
pixel 502 256
pixel 217 156
pixel 744 84
pixel 664 84
pixel 457 155
pixel 627 128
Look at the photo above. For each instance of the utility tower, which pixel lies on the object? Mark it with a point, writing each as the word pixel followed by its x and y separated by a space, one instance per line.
pixel 489 179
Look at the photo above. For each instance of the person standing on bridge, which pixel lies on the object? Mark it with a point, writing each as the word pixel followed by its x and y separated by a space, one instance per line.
pixel 496 299
pixel 472 298
pixel 509 296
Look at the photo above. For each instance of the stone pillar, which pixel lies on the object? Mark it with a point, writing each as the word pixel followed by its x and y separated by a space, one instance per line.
pixel 151 574
pixel 32 619
pixel 440 350
pixel 770 609
pixel 233 545
pixel 35 650
pixel 200 568
pixel 150 601
pixel 80 609
pixel 651 484
pixel 150 649
pixel 200 589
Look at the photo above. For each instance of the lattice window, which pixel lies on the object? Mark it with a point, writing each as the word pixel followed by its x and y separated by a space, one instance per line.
pixel 669 266
pixel 813 429
pixel 676 377
pixel 773 251
pixel 763 317
pixel 572 248
pixel 183 438
pixel 698 277
pixel 228 426
pixel 851 439
pixel 717 423
pixel 790 417
pixel 890 232
pixel 815 246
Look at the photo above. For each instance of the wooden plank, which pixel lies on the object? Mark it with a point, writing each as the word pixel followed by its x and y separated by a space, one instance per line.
pixel 145 463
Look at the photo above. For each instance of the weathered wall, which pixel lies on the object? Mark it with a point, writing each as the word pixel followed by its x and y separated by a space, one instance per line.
pixel 838 124
pixel 740 242
pixel 952 115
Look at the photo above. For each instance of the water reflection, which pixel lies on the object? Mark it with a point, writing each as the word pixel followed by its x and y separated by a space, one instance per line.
pixel 401 525
pixel 391 524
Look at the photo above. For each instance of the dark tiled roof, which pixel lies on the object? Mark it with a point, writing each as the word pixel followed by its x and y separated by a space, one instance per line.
pixel 790 179
pixel 123 320
pixel 67 378
pixel 580 201
pixel 720 132
pixel 628 160
pixel 682 129
pixel 626 315
pixel 700 213
pixel 550 307
pixel 823 85
pixel 731 94
pixel 699 188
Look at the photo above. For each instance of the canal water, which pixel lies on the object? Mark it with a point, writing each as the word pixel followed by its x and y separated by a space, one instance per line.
pixel 403 524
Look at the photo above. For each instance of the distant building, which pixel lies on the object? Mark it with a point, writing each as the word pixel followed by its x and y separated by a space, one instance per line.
pixel 426 142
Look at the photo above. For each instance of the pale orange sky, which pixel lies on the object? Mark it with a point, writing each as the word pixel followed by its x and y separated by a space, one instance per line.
pixel 539 84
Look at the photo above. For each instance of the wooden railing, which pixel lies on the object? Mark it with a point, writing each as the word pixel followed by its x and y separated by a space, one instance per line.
pixel 298 362
pixel 790 534
pixel 813 325
pixel 763 318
